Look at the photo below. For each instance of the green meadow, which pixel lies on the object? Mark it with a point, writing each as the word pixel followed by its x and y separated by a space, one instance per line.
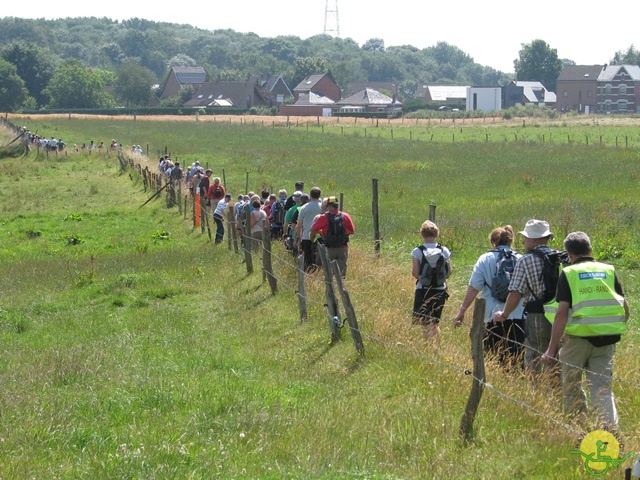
pixel 133 347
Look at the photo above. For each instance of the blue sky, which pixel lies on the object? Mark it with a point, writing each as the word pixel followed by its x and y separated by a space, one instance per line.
pixel 490 31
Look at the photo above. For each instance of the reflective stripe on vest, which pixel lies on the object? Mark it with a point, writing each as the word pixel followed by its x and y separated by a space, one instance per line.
pixel 597 309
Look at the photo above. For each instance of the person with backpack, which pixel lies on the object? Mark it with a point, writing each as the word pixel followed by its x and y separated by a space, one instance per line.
pixel 534 281
pixel 589 320
pixel 431 266
pixel 290 220
pixel 334 227
pixel 215 194
pixel 490 277
pixel 277 213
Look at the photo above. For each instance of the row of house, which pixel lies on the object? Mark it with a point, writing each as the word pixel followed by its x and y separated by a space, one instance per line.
pixel 316 95
pixel 581 88
pixel 599 89
pixel 602 89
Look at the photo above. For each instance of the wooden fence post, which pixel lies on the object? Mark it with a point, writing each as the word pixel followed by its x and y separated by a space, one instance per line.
pixel 432 213
pixel 247 243
pixel 267 266
pixel 196 209
pixel 348 309
pixel 479 376
pixel 232 234
pixel 376 222
pixel 302 299
pixel 333 311
pixel 202 211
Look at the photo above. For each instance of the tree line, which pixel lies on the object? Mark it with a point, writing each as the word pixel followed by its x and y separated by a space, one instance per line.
pixel 99 62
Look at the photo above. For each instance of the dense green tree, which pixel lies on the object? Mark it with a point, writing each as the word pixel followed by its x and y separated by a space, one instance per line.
pixel 33 65
pixel 343 75
pixel 281 48
pixel 443 53
pixel 538 62
pixel 76 86
pixel 373 45
pixel 113 52
pixel 40 32
pixel 631 56
pixel 13 91
pixel 155 61
pixel 182 60
pixel 383 67
pixel 407 90
pixel 134 43
pixel 134 84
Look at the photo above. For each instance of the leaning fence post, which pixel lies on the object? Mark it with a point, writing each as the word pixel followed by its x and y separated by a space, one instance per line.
pixel 348 309
pixel 479 376
pixel 267 266
pixel 302 300
pixel 333 311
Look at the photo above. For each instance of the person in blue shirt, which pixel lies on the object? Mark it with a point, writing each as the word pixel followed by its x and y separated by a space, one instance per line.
pixel 505 338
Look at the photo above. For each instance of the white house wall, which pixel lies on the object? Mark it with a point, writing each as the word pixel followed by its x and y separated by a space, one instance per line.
pixel 487 99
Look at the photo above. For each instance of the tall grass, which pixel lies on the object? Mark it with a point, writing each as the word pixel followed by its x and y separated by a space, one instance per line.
pixel 129 354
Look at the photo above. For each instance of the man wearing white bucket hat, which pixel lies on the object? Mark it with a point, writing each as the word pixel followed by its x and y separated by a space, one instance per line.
pixel 527 281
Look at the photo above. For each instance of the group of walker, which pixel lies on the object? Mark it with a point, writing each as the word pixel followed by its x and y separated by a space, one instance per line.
pixel 577 324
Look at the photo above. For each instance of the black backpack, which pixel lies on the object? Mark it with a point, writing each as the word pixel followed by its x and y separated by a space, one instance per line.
pixel 553 263
pixel 433 277
pixel 505 264
pixel 336 233
pixel 278 213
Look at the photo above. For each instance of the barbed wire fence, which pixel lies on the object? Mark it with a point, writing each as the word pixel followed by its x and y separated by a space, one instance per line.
pixel 174 195
pixel 240 241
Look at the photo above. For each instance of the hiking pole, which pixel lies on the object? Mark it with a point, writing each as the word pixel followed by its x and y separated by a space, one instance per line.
pixel 155 195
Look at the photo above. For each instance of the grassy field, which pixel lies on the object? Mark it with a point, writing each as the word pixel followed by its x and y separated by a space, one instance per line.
pixel 135 348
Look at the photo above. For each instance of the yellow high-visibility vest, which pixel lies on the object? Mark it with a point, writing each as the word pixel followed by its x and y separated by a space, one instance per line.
pixel 596 307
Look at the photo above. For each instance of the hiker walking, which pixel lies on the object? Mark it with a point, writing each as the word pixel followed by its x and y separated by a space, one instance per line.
pixel 431 265
pixel 335 227
pixel 218 216
pixel 215 193
pixel 528 282
pixel 306 217
pixel 490 277
pixel 277 212
pixel 591 317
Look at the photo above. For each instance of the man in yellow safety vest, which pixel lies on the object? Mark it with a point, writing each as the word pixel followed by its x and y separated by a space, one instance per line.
pixel 590 319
